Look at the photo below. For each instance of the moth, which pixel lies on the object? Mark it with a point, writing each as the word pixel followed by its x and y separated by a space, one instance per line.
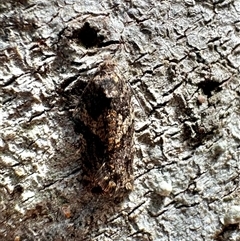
pixel 105 119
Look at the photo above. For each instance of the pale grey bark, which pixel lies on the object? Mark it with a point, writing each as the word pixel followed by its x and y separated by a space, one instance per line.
pixel 182 60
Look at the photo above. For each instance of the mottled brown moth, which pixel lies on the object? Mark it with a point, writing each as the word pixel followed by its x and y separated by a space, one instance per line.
pixel 105 119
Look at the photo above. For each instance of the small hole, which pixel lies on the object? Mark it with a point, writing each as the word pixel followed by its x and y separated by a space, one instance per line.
pixel 88 36
pixel 97 190
pixel 18 190
pixel 208 86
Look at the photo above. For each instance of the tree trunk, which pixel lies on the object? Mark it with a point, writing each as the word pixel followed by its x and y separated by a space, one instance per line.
pixel 181 61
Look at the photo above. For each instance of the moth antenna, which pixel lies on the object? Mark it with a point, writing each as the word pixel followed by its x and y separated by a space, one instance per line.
pixel 80 97
pixel 133 93
pixel 85 88
pixel 122 42
pixel 135 96
pixel 88 83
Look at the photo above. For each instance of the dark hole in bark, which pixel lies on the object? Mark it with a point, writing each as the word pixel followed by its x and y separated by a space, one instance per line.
pixel 97 190
pixel 18 190
pixel 88 36
pixel 208 86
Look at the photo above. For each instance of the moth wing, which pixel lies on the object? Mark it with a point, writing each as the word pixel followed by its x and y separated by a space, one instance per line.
pixel 103 182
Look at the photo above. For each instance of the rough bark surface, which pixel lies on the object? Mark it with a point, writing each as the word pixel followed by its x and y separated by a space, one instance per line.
pixel 182 61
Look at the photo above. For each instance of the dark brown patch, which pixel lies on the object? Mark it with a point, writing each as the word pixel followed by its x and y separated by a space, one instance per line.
pixel 105 119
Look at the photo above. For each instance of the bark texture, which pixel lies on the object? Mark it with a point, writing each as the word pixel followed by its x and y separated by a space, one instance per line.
pixel 181 59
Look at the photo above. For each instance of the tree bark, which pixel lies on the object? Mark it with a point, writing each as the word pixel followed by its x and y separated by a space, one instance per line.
pixel 181 60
